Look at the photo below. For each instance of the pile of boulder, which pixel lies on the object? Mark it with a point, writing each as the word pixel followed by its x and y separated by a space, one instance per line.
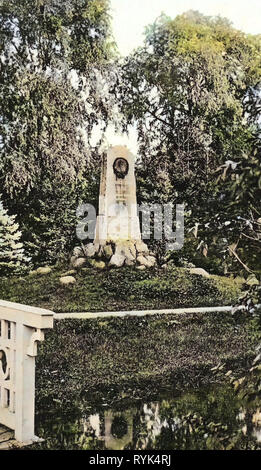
pixel 113 254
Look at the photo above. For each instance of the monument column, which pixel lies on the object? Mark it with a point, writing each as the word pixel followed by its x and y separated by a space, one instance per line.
pixel 118 215
pixel 117 240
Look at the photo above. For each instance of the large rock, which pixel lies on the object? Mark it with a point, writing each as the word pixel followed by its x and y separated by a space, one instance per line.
pixel 131 251
pixel 199 272
pixel 143 261
pixel 44 270
pixel 127 251
pixel 78 252
pixel 67 280
pixel 141 247
pixel 130 254
pixel 90 250
pixel 130 262
pixel 117 261
pixel 147 261
pixel 79 263
pixel 151 261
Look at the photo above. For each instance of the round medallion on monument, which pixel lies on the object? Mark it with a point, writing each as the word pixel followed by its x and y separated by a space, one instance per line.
pixel 121 167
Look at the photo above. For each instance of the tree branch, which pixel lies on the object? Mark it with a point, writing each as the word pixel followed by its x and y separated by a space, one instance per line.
pixel 240 261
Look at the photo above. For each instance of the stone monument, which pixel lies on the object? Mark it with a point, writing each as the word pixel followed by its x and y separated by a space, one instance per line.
pixel 117 239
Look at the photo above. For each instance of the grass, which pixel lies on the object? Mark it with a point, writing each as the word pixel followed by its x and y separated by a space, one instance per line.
pixel 123 289
pixel 131 356
pixel 135 356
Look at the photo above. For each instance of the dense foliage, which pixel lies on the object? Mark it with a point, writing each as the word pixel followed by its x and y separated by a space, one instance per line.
pixel 52 58
pixel 193 91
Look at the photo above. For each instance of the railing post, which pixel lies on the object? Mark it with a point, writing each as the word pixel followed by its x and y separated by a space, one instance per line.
pixel 25 388
pixel 21 328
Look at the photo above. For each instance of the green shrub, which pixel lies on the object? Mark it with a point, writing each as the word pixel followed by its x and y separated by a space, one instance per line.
pixel 12 258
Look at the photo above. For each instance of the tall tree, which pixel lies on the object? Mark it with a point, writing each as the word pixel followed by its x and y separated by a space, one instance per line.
pixel 192 91
pixel 53 55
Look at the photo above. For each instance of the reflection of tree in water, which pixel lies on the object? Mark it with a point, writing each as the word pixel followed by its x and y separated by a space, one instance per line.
pixel 149 426
pixel 119 427
pixel 208 420
pixel 212 420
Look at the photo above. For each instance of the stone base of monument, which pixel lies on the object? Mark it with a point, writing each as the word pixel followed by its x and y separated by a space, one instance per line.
pixel 113 254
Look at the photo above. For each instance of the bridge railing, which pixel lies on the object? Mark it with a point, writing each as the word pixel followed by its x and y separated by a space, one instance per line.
pixel 21 327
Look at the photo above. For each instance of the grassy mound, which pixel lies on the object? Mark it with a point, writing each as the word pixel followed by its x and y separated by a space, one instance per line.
pixel 120 289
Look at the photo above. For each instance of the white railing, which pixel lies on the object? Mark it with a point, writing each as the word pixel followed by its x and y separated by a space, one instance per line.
pixel 20 329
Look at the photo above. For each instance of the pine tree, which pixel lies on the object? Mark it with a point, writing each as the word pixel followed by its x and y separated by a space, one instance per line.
pixel 12 257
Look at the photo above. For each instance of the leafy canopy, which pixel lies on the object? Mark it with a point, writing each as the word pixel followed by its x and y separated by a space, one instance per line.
pixel 193 91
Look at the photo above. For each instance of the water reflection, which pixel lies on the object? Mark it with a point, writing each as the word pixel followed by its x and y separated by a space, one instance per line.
pixel 203 419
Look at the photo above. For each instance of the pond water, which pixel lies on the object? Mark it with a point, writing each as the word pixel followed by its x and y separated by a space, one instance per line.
pixel 208 418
